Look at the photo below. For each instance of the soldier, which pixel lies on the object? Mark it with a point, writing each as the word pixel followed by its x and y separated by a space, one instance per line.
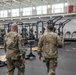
pixel 15 51
pixel 48 44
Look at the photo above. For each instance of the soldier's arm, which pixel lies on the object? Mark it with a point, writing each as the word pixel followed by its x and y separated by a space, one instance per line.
pixel 40 45
pixel 21 46
pixel 60 41
pixel 4 43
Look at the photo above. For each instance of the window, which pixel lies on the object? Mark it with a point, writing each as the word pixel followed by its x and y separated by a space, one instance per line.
pixel 3 13
pixel 58 8
pixel 44 9
pixel 38 10
pixel 27 11
pixel 15 12
pixel 41 9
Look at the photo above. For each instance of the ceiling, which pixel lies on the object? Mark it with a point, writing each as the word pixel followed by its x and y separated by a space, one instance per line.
pixel 10 4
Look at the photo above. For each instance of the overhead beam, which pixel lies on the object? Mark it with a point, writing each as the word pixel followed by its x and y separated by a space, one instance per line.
pixel 21 3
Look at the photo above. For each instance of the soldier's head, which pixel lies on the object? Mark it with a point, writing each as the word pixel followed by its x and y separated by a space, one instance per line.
pixel 49 28
pixel 14 27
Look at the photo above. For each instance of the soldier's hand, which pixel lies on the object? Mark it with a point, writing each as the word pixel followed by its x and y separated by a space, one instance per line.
pixel 23 60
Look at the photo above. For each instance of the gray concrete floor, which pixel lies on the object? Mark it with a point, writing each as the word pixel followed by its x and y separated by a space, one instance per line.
pixel 66 63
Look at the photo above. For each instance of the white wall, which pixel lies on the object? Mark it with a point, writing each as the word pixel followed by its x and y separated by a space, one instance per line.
pixel 71 26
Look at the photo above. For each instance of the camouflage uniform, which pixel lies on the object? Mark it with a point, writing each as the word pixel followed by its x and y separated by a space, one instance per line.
pixel 15 52
pixel 48 44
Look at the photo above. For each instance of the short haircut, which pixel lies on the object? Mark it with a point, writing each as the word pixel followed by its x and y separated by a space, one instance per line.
pixel 50 27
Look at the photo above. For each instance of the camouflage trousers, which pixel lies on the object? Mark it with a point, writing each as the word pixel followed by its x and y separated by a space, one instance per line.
pixel 51 65
pixel 12 64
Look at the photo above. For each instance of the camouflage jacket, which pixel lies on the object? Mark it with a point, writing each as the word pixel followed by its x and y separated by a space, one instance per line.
pixel 14 45
pixel 48 44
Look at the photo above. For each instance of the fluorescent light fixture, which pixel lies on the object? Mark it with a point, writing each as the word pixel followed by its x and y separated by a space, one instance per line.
pixel 66 4
pixel 33 8
pixel 48 6
pixel 9 10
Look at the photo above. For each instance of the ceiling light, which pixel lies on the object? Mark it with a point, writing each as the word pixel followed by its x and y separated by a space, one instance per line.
pixel 66 4
pixel 33 8
pixel 9 10
pixel 48 6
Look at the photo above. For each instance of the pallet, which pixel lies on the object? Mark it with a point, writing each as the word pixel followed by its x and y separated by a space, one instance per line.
pixel 2 60
pixel 1 47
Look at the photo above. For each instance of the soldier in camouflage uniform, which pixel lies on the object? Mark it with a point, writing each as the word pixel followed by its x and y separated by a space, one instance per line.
pixel 15 51
pixel 48 44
